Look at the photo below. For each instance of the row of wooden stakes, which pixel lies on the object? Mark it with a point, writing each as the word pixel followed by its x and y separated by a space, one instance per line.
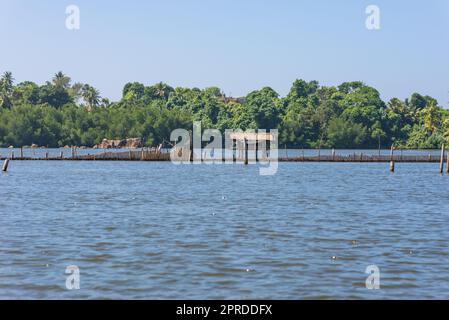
pixel 392 163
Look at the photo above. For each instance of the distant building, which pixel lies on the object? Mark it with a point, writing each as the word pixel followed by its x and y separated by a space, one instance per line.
pixel 227 100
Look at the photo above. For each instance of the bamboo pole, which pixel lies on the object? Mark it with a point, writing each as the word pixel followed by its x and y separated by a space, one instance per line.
pixel 447 164
pixel 234 151
pixel 392 159
pixel 256 149
pixel 191 146
pixel 5 165
pixel 442 160
pixel 246 152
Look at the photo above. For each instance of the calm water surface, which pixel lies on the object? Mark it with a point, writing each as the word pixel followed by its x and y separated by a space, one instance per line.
pixel 156 230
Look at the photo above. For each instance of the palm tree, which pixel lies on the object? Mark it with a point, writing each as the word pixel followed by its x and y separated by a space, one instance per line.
pixel 404 111
pixel 6 88
pixel 76 91
pixel 7 82
pixel 105 102
pixel 431 116
pixel 162 90
pixel 60 80
pixel 446 129
pixel 91 96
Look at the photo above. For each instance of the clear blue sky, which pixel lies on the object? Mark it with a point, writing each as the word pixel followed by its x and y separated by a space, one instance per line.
pixel 236 45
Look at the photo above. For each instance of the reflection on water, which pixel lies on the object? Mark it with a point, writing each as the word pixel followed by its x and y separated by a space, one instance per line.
pixel 156 230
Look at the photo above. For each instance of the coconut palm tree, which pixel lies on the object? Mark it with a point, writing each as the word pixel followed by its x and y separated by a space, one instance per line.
pixel 162 90
pixel 105 102
pixel 91 97
pixel 6 88
pixel 60 80
pixel 6 82
pixel 446 129
pixel 431 116
pixel 76 91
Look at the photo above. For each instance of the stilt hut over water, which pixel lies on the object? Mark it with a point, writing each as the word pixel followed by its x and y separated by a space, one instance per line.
pixel 251 146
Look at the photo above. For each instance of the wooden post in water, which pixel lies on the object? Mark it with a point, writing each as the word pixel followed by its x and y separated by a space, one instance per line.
pixel 392 159
pixel 191 146
pixel 246 152
pixel 21 152
pixel 12 155
pixel 5 165
pixel 442 160
pixel 447 164
pixel 256 149
pixel 46 155
pixel 333 154
pixel 61 155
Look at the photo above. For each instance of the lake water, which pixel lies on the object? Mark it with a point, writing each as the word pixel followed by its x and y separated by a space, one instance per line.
pixel 140 230
pixel 290 153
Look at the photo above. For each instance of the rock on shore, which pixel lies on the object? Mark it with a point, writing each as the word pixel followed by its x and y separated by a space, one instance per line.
pixel 131 143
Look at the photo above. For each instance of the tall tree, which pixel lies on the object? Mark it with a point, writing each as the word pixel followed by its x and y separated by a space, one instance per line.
pixel 6 89
pixel 431 117
pixel 60 80
pixel 91 97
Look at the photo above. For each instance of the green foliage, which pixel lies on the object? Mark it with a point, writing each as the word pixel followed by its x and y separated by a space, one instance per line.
pixel 344 134
pixel 351 115
pixel 6 90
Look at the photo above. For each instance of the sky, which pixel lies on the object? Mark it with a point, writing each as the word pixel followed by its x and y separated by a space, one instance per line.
pixel 237 45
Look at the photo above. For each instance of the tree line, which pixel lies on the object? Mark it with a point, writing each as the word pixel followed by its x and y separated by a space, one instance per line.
pixel 351 115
